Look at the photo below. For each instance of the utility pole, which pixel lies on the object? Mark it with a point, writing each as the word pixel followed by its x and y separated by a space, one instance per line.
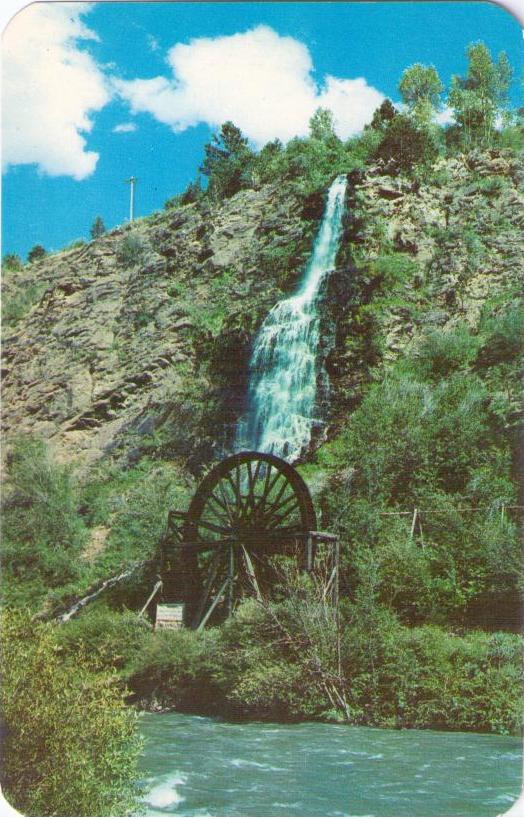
pixel 132 182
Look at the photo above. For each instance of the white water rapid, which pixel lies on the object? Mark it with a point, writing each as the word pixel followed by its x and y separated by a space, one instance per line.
pixel 284 364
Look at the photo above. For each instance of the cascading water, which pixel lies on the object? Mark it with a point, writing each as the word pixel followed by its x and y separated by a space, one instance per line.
pixel 283 366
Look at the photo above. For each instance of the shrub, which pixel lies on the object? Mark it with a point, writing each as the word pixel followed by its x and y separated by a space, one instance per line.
pixel 425 677
pixel 111 639
pixel 17 304
pixel 503 337
pixel 130 251
pixel 43 531
pixel 178 669
pixel 70 746
pixel 12 261
pixel 442 352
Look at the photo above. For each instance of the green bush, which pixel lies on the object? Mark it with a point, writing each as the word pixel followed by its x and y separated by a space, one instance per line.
pixel 503 336
pixel 111 639
pixel 426 677
pixel 442 352
pixel 131 250
pixel 16 304
pixel 408 144
pixel 36 253
pixel 178 669
pixel 43 531
pixel 12 261
pixel 70 747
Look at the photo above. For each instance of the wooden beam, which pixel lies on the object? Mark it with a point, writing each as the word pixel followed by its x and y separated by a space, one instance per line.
pixel 209 583
pixel 157 587
pixel 214 604
pixel 251 573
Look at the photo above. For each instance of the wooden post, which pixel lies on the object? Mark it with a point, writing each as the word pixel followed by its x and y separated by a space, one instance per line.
pixel 231 580
pixel 336 587
pixel 421 535
pixel 414 522
pixel 502 514
pixel 209 584
pixel 337 610
pixel 309 553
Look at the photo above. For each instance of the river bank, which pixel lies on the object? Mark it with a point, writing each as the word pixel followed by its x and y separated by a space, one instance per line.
pixel 200 766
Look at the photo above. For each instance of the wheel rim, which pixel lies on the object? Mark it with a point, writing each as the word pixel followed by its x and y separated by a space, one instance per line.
pixel 247 496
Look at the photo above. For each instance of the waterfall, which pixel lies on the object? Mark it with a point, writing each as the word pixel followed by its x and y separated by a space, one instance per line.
pixel 284 367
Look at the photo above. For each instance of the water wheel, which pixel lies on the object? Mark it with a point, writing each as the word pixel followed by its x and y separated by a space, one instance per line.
pixel 249 508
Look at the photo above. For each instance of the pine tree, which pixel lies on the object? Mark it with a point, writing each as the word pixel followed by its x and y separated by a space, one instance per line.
pixel 37 252
pixel 97 228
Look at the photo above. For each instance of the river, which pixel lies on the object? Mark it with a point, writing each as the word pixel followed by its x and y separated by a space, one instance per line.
pixel 207 767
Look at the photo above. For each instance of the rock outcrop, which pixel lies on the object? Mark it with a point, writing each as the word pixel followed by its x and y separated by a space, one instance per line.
pixel 151 324
pixel 117 343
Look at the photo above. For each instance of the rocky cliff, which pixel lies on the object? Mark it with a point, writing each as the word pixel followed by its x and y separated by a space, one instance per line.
pixel 147 330
pixel 148 324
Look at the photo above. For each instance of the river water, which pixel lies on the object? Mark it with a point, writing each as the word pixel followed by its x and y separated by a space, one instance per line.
pixel 206 767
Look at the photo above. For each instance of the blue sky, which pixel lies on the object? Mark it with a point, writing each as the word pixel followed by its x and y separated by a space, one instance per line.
pixel 164 75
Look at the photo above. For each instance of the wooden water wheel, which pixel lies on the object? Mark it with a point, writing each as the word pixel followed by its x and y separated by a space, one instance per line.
pixel 251 507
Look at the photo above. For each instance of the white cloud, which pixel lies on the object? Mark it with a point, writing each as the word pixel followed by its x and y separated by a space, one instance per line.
pixel 50 87
pixel 445 117
pixel 124 128
pixel 258 79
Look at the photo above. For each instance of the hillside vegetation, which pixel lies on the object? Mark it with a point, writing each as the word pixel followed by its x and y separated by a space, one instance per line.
pixel 125 370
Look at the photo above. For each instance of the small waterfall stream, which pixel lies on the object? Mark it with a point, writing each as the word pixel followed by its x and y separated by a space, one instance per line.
pixel 283 367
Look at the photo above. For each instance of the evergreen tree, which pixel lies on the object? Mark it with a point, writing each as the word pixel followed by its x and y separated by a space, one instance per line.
pixel 37 252
pixel 407 143
pixel 227 162
pixel 97 228
pixel 382 116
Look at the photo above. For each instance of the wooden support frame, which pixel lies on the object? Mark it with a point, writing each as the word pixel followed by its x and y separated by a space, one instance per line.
pixel 230 553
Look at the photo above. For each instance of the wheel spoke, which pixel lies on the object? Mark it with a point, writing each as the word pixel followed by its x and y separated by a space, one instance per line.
pixel 219 530
pixel 217 512
pixel 265 490
pixel 268 488
pixel 219 501
pixel 275 507
pixel 221 487
pixel 250 498
pixel 276 520
pixel 280 492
